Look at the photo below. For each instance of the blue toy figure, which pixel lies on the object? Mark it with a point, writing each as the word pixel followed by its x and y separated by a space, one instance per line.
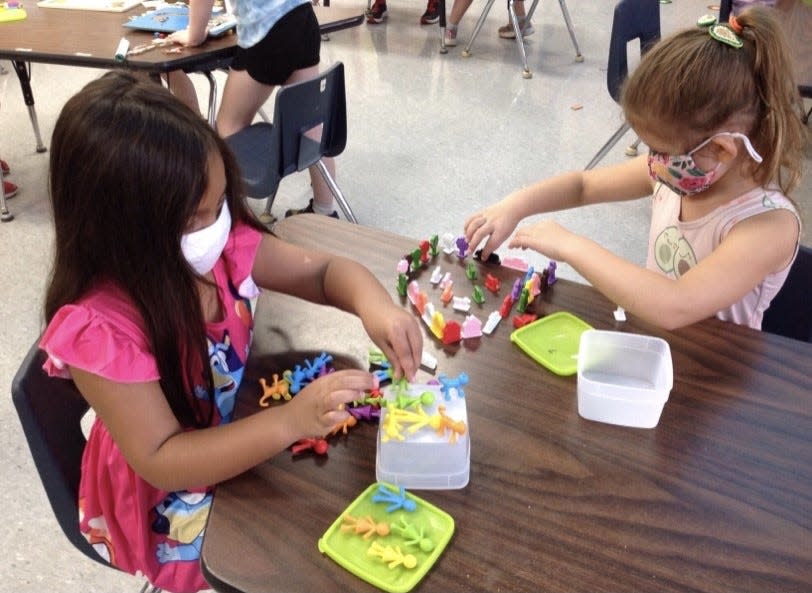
pixel 447 384
pixel 397 499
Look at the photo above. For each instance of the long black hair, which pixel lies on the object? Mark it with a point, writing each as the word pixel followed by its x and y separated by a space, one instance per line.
pixel 128 167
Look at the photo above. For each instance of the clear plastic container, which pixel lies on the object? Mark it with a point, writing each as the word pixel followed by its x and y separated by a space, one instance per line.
pixel 425 459
pixel 623 378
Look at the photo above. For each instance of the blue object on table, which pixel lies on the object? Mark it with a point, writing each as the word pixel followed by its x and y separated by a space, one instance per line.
pixel 176 18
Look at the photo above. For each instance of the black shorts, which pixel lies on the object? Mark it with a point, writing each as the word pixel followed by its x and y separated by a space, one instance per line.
pixel 293 43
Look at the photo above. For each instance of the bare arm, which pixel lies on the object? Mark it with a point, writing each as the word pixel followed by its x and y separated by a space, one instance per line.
pixel 626 181
pixel 195 34
pixel 754 248
pixel 343 283
pixel 159 450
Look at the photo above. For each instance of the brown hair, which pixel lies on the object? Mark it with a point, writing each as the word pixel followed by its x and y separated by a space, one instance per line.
pixel 692 81
pixel 128 169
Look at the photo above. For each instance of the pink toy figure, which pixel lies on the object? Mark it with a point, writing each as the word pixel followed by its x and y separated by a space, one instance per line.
pixel 441 421
pixel 515 263
pixel 447 294
pixel 277 391
pixel 345 425
pixel 364 525
pixel 452 333
pixel 403 267
pixel 393 556
pixel 471 327
pixel 318 446
pixel 492 283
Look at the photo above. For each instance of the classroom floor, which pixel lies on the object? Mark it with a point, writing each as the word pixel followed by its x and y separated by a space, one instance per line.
pixel 432 138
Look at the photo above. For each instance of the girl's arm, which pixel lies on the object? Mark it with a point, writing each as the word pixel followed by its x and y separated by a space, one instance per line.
pixel 625 181
pixel 160 451
pixel 195 33
pixel 754 248
pixel 343 283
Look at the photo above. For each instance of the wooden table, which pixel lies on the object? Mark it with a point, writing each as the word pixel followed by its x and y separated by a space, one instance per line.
pixel 717 497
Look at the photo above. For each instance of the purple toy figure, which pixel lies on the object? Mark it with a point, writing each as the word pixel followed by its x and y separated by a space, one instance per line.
pixel 551 272
pixel 462 247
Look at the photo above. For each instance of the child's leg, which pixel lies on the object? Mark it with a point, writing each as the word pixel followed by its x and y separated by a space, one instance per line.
pixel 506 31
pixel 181 86
pixel 458 10
pixel 242 98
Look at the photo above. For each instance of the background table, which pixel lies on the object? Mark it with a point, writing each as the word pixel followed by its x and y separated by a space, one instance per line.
pixel 718 497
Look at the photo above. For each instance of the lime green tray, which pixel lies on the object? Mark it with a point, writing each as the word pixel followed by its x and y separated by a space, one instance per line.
pixel 350 549
pixel 553 341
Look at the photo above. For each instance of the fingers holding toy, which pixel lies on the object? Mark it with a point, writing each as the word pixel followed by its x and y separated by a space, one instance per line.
pixel 321 405
pixel 398 335
pixel 494 222
pixel 547 237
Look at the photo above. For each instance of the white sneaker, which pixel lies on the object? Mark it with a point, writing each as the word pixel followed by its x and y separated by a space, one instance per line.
pixel 507 32
pixel 450 37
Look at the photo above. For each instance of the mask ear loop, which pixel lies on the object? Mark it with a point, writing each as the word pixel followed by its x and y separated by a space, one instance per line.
pixel 743 137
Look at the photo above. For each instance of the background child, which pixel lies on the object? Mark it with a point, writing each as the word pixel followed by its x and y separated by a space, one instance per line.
pixel 725 137
pixel 149 312
pixel 279 43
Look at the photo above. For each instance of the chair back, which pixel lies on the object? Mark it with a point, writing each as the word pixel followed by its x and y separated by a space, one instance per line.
pixel 633 19
pixel 268 152
pixel 790 313
pixel 50 411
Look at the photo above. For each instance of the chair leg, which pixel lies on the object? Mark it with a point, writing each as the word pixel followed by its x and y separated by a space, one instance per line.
pixel 631 149
pixel 467 51
pixel 517 31
pixel 568 20
pixel 212 113
pixel 336 191
pixel 148 587
pixel 608 146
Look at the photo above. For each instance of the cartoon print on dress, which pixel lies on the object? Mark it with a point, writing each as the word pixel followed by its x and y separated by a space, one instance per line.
pixel 767 202
pixel 98 536
pixel 673 253
pixel 181 516
pixel 245 313
pixel 227 371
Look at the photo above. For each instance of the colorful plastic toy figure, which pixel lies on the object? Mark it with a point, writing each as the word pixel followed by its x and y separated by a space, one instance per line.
pixel 478 296
pixel 395 500
pixel 551 268
pixel 392 555
pixel 424 252
pixel 493 320
pixel 492 283
pixel 344 426
pixel 314 369
pixel 416 262
pixel 447 294
pixel 318 446
pixel 368 412
pixel 404 401
pixel 436 275
pixel 447 243
pixel 471 327
pixel 493 258
pixel 403 266
pixel 403 282
pixel 297 379
pixel 522 320
pixel 470 271
pixel 462 247
pixel 433 242
pixel 507 305
pixel 461 304
pixel 457 383
pixel 452 333
pixel 365 526
pixel 517 290
pixel 437 323
pixel 442 421
pixel 413 535
pixel 278 390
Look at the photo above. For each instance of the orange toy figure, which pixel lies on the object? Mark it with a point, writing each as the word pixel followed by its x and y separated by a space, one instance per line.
pixel 277 391
pixel 364 525
pixel 447 294
pixel 345 425
pixel 393 556
pixel 440 422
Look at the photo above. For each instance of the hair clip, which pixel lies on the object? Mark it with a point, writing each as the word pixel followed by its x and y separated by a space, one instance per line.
pixel 726 35
pixel 734 24
pixel 706 20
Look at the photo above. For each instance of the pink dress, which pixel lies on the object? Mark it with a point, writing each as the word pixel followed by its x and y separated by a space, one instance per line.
pixel 133 525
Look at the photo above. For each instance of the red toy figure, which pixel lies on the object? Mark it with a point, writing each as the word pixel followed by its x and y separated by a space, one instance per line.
pixel 492 283
pixel 452 332
pixel 318 446
pixel 522 320
pixel 507 305
pixel 424 251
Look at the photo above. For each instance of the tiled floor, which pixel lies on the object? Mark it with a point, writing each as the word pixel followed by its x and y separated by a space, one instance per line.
pixel 431 138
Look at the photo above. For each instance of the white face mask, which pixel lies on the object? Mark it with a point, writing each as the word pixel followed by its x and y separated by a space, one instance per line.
pixel 202 248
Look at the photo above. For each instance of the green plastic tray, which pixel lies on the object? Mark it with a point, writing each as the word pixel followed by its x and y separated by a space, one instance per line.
pixel 553 341
pixel 349 549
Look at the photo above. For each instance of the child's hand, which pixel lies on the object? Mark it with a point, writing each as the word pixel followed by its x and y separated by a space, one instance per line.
pixel 495 222
pixel 186 39
pixel 397 333
pixel 547 237
pixel 321 404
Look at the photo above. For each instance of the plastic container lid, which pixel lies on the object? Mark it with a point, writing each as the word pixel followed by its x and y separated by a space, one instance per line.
pixel 553 341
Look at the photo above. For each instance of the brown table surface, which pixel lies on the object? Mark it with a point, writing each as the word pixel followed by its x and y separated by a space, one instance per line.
pixel 717 497
pixel 90 38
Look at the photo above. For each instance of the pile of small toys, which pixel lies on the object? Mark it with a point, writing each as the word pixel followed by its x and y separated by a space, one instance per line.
pixel 524 291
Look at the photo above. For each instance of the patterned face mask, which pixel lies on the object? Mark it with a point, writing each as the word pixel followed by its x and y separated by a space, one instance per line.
pixel 681 173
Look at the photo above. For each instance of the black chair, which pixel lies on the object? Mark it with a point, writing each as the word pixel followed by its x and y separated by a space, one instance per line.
pixel 50 411
pixel 633 19
pixel 790 313
pixel 267 152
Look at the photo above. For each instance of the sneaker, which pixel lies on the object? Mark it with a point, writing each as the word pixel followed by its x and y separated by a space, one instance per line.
pixel 9 189
pixel 307 210
pixel 377 13
pixel 432 14
pixel 507 32
pixel 450 37
pixel 4 167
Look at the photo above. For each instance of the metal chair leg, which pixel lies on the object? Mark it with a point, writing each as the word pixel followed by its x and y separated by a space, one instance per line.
pixel 336 191
pixel 467 51
pixel 212 113
pixel 631 149
pixel 608 146
pixel 517 31
pixel 568 20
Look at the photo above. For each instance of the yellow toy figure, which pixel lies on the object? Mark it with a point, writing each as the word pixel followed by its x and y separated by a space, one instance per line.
pixel 392 555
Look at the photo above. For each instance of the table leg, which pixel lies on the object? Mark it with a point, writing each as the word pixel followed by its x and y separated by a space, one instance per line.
pixel 443 48
pixel 24 74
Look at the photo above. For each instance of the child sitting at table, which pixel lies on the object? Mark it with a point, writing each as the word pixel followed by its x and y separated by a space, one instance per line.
pixel 720 112
pixel 149 312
